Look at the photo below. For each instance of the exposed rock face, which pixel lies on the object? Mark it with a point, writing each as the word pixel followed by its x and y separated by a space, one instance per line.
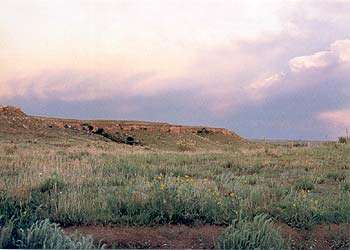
pixel 12 119
pixel 11 111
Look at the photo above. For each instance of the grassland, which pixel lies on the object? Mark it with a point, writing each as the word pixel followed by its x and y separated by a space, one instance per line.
pixel 77 181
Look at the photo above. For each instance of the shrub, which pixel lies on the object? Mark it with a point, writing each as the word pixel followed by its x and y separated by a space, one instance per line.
pixel 6 235
pixel 256 234
pixel 336 175
pixel 342 140
pixel 54 183
pixel 295 210
pixel 345 187
pixel 10 150
pixel 185 146
pixel 46 235
pixel 304 184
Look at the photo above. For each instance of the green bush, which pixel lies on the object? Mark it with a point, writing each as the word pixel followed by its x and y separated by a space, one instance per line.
pixel 344 187
pixel 304 184
pixel 256 234
pixel 54 183
pixel 296 211
pixel 342 140
pixel 21 227
pixel 6 232
pixel 46 235
pixel 336 175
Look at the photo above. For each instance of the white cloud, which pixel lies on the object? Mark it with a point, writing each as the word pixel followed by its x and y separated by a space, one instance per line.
pixel 318 60
pixel 342 49
pixel 339 53
pixel 260 89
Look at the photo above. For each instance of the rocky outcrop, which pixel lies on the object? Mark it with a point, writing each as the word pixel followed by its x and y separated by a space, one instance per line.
pixel 129 132
pixel 11 111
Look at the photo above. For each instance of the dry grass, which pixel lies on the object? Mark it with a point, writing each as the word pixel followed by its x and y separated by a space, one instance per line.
pixel 98 182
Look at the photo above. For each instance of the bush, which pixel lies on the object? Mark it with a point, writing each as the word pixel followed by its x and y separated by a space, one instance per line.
pixel 10 150
pixel 184 146
pixel 342 140
pixel 296 211
pixel 345 187
pixel 54 183
pixel 256 234
pixel 46 235
pixel 304 184
pixel 6 235
pixel 336 175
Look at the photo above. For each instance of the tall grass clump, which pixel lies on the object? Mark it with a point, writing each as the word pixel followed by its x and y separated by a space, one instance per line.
pixel 337 176
pixel 256 234
pixel 304 184
pixel 47 235
pixel 21 226
pixel 342 140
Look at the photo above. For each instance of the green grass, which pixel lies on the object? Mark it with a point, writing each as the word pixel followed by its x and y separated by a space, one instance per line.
pixel 74 181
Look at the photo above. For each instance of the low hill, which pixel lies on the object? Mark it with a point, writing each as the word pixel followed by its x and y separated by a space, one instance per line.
pixel 15 123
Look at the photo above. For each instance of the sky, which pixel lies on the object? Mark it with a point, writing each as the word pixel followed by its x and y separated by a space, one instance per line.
pixel 275 69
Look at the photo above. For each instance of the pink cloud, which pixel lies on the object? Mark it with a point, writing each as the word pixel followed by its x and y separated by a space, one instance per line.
pixel 337 120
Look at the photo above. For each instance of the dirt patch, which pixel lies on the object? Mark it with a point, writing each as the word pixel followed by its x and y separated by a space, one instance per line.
pixel 167 236
pixel 330 236
pixel 203 237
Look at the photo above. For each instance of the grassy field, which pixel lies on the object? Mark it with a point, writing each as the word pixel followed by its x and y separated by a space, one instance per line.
pixel 256 191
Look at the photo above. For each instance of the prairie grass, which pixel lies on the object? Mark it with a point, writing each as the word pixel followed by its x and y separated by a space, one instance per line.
pixel 75 181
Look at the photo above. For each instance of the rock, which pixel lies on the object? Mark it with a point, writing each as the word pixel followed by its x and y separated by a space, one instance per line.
pixel 203 131
pixel 130 140
pixel 11 111
pixel 99 131
pixel 87 127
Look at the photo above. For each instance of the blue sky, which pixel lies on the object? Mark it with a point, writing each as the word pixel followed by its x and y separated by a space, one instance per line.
pixel 263 68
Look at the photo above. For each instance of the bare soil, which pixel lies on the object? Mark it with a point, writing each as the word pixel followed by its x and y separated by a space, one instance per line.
pixel 166 236
pixel 204 236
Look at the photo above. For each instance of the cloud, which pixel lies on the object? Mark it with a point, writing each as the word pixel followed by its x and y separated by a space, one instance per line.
pixel 342 49
pixel 305 71
pixel 252 65
pixel 338 120
pixel 339 53
pixel 318 60
pixel 71 85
